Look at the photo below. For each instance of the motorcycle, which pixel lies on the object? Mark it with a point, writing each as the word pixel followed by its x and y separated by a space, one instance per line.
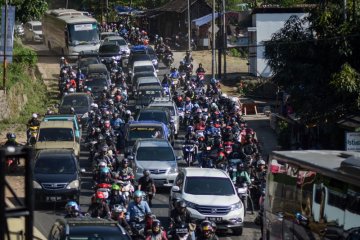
pixel 139 226
pixel 189 153
pixel 168 60
pixel 33 131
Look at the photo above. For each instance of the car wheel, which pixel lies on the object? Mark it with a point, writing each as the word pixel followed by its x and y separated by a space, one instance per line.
pixel 238 231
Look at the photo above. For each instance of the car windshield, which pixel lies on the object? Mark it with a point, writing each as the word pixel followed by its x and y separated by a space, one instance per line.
pixel 154 153
pixel 155 116
pixel 74 100
pixel 105 35
pixel 120 42
pixel 37 28
pixel 145 132
pixel 170 108
pixel 86 62
pixel 209 186
pixel 56 134
pixel 109 48
pixel 55 165
pixel 96 83
pixel 146 68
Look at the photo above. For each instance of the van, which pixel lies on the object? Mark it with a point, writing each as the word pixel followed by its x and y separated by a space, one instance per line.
pixel 98 69
pixel 146 81
pixel 66 117
pixel 58 135
pixel 143 66
pixel 33 31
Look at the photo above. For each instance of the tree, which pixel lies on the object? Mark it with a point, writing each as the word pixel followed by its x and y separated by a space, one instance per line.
pixel 316 61
pixel 27 10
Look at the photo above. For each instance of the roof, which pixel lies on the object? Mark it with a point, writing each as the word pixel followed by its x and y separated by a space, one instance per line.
pixel 328 162
pixel 78 19
pixel 81 94
pixel 147 122
pixel 148 79
pixel 63 12
pixel 204 19
pixel 34 22
pixel 115 37
pixel 204 172
pixel 178 6
pixel 350 122
pixel 142 63
pixel 153 142
pixel 274 9
pixel 56 124
pixel 51 152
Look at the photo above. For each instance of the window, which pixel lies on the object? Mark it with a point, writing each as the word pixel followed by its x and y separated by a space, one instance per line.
pixel 156 116
pixel 209 186
pixel 145 132
pixel 56 134
pixel 37 28
pixel 336 199
pixel 83 34
pixel 55 165
pixel 109 48
pixel 353 202
pixel 155 153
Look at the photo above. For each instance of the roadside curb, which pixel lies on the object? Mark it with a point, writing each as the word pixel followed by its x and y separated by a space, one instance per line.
pixel 17 226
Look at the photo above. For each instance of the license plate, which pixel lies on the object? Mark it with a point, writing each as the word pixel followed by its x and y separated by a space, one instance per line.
pixel 215 219
pixel 53 199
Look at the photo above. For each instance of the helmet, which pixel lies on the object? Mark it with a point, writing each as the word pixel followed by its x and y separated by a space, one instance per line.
pixel 181 205
pixel 113 58
pixel 138 194
pixel 62 58
pixel 104 148
pixel 34 115
pixel 115 187
pixel 118 98
pixel 260 162
pixel 107 124
pixel 240 165
pixel 128 112
pixel 72 206
pixel 111 102
pixel 181 62
pixel 105 170
pixel 10 136
pixel 190 129
pixel 156 226
pixel 102 164
pixel 206 228
pixel 99 195
pixel 118 208
pixel 187 99
pixel 146 172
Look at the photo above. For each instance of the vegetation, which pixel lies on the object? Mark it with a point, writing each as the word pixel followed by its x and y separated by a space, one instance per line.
pixel 316 61
pixel 27 10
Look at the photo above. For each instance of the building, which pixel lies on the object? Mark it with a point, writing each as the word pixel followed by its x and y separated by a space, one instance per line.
pixel 265 22
pixel 171 18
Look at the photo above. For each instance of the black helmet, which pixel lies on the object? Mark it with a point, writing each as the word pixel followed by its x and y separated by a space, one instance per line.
pixel 146 173
pixel 10 136
pixel 206 228
pixel 181 204
pixel 156 226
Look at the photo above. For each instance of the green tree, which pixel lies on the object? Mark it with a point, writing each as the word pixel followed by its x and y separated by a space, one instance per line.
pixel 27 10
pixel 316 61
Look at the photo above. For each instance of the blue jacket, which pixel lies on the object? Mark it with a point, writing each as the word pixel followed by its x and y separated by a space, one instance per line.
pixel 135 210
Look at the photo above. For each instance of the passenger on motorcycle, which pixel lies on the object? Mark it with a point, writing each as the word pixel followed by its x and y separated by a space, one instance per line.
pixel 137 207
pixel 241 175
pixel 124 172
pixel 157 232
pixel 116 121
pixel 99 207
pixel 147 185
pixel 188 106
pixel 207 231
pixel 72 210
pixel 115 197
pixel 118 214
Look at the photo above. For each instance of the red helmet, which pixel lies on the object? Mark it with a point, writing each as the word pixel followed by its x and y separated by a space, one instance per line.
pixel 118 98
pixel 179 98
pixel 187 99
pixel 100 195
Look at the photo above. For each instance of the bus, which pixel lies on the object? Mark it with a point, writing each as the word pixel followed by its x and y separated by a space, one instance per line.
pixel 312 194
pixel 69 32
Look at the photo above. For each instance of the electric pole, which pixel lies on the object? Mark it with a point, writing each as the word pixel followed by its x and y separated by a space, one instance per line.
pixel 213 41
pixel 189 25
pixel 224 36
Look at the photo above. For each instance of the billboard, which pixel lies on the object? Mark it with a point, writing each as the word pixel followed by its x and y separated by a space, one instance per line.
pixel 352 141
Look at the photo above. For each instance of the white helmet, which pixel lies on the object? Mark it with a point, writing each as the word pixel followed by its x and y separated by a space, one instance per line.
pixel 113 58
pixel 71 90
pixel 94 105
pixel 34 115
pixel 62 58
pixel 128 112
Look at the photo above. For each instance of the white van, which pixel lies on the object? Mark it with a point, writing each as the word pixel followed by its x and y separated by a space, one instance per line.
pixel 33 31
pixel 143 66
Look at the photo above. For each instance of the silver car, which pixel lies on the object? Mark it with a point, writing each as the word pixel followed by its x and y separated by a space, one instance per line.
pixel 168 104
pixel 121 42
pixel 157 156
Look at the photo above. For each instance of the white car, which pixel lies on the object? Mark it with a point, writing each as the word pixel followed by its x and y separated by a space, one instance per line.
pixel 124 46
pixel 33 31
pixel 210 194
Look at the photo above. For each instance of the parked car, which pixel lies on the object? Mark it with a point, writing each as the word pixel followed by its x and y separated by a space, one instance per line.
pixel 57 176
pixel 118 40
pixel 157 156
pixel 87 228
pixel 209 193
pixel 33 31
pixel 171 106
pixel 57 135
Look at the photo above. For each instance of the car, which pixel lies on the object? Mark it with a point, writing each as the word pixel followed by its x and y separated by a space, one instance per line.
pixel 98 69
pixel 124 46
pixel 96 84
pixel 83 63
pixel 135 130
pixel 171 106
pixel 104 35
pixel 66 117
pixel 157 156
pixel 57 135
pixel 87 228
pixel 145 94
pixel 56 176
pixel 138 75
pixel 142 66
pixel 146 81
pixel 33 31
pixel 160 115
pixel 109 50
pixel 148 50
pixel 210 194
pixel 81 102
pixel 137 57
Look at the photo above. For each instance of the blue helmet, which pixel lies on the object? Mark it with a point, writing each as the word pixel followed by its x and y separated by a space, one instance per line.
pixel 190 128
pixel 105 170
pixel 72 205
pixel 138 193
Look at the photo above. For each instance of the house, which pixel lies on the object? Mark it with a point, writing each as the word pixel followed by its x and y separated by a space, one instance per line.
pixel 171 18
pixel 265 22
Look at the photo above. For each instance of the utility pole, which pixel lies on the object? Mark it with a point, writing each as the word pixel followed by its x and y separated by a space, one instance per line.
pixel 189 25
pixel 224 36
pixel 5 36
pixel 213 41
pixel 67 4
pixel 219 38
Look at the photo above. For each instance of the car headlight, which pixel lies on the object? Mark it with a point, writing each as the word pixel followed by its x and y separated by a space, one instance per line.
pixel 173 170
pixel 236 206
pixel 36 185
pixel 190 204
pixel 73 184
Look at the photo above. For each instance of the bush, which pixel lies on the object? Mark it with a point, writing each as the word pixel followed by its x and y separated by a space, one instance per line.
pixel 25 56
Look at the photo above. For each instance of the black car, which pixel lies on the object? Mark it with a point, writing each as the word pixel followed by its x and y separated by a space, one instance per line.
pixel 81 103
pixel 87 228
pixel 57 176
pixel 96 86
pixel 83 63
pixel 109 50
pixel 160 115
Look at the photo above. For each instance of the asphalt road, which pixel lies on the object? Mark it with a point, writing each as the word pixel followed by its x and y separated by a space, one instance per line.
pixel 46 216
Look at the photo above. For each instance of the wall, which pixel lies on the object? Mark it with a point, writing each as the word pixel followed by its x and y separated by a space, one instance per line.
pixel 267 24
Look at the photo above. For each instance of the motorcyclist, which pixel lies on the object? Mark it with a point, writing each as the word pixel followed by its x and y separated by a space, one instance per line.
pixel 157 232
pixel 168 51
pixel 182 67
pixel 102 156
pixel 180 214
pixel 63 62
pixel 99 207
pixel 124 172
pixel 72 210
pixel 118 214
pixel 166 80
pixel 174 73
pixel 241 175
pixel 116 121
pixel 128 117
pixel 188 57
pixel 11 140
pixel 188 106
pixel 207 231
pixel 137 208
pixel 200 69
pixel 115 197
pixel 146 184
pixel 190 134
pixel 102 175
pixel 33 122
pixel 249 148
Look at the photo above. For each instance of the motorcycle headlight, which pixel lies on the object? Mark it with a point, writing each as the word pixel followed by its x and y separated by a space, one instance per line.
pixel 173 170
pixel 236 206
pixel 73 184
pixel 190 204
pixel 36 185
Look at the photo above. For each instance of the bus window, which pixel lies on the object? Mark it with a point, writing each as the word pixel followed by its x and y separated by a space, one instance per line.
pixel 83 33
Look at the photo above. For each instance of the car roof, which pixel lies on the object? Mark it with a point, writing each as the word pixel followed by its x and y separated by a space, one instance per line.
pixel 162 103
pixel 150 109
pixel 51 152
pixel 204 172
pixel 114 37
pixel 147 123
pixel 97 66
pixel 146 79
pixel 82 94
pixel 157 142
pixel 143 63
pixel 62 116
pixel 56 124
pixel 109 33
pixel 34 22
pixel 150 87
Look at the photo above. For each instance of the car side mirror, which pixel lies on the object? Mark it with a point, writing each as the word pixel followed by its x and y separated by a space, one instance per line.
pixel 175 189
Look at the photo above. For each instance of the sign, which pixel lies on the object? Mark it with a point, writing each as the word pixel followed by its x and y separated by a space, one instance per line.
pixel 352 141
pixel 9 33
pixel 83 27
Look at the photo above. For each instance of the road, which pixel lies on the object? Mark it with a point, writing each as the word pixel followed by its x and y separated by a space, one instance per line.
pixel 46 216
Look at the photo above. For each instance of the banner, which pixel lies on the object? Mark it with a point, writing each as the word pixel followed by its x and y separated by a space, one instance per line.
pixel 9 33
pixel 352 141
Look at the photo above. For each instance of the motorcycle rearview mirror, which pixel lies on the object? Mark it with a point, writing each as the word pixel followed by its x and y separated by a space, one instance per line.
pixel 175 189
pixel 130 157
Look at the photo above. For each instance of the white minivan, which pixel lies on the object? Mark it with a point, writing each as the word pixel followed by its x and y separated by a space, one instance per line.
pixel 142 66
pixel 33 31
pixel 210 194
